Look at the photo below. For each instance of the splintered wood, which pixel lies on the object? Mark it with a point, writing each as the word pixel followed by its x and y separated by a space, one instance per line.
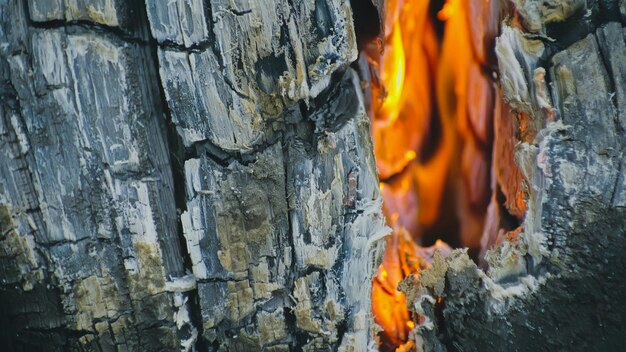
pixel 184 175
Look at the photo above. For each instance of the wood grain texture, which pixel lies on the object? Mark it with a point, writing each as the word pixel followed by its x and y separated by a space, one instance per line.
pixel 184 175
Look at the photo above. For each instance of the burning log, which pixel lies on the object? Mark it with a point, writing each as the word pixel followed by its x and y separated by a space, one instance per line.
pixel 212 175
pixel 508 175
pixel 438 92
pixel 553 237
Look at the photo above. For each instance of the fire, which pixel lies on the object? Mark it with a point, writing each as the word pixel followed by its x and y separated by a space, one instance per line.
pixel 403 257
pixel 432 130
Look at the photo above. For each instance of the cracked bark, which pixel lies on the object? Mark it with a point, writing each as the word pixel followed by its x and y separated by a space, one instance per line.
pixel 184 174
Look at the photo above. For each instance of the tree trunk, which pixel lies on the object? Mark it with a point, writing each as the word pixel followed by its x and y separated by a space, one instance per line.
pixel 556 283
pixel 184 174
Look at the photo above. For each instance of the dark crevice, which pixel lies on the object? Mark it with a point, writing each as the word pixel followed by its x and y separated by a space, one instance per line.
pixel 367 22
pixel 290 318
pixel 195 312
pixel 210 150
pixel 434 136
pixel 610 10
pixel 618 181
pixel 508 221
pixel 133 31
pixel 178 178
pixel 195 47
pixel 212 42
pixel 342 327
pixel 445 336
pixel 234 88
pixel 237 12
pixel 225 158
pixel 604 57
pixel 301 337
pixel 434 7
pixel 209 280
pixel 177 164
pixel 562 35
pixel 81 26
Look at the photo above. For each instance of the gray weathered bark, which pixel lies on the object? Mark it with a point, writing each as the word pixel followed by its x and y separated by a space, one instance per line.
pixel 558 282
pixel 184 174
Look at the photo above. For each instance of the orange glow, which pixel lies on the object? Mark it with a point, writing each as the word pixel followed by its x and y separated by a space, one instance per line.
pixel 404 100
pixel 402 257
pixel 432 127
pixel 408 346
pixel 393 72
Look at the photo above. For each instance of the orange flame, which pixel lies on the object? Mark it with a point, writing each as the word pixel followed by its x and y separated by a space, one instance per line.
pixel 431 126
pixel 402 258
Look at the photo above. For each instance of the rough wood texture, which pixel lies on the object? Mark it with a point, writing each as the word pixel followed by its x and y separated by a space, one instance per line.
pixel 260 58
pixel 557 282
pixel 184 174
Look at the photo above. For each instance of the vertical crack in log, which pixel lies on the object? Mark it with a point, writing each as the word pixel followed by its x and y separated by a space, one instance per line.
pixel 289 315
pixel 177 156
pixel 620 184
pixel 249 157
pixel 613 51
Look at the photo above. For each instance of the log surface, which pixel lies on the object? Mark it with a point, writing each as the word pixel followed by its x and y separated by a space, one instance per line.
pixel 184 174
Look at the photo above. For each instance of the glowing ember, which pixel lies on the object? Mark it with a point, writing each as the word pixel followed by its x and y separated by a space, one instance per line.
pixel 432 131
pixel 402 257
